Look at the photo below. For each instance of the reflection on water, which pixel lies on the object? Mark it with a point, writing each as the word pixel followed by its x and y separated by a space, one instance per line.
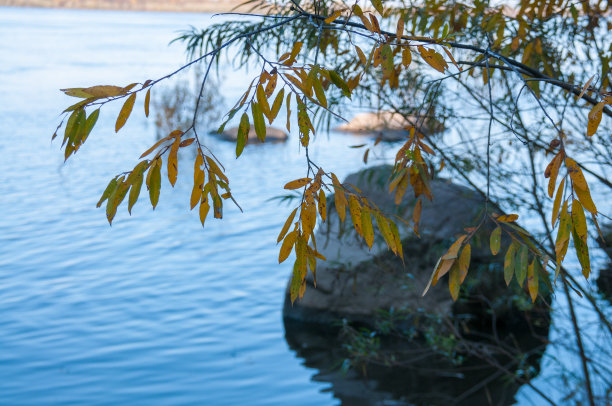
pixel 423 378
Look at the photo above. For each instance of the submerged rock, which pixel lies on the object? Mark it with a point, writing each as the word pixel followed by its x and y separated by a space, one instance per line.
pixel 272 135
pixel 388 125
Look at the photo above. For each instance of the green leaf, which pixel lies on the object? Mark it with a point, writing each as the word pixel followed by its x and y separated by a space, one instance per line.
pixel 378 5
pixel 340 83
pixel 70 125
pixel 112 185
pixel 155 183
pixel 258 122
pixel 135 192
pixel 125 112
pixel 319 92
pixel 509 262
pixel 243 134
pixel 495 240
pixel 90 123
pixel 521 264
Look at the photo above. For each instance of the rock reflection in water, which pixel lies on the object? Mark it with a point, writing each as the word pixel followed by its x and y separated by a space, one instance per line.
pixel 430 379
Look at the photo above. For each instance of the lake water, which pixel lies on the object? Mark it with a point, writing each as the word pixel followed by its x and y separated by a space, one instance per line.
pixel 153 310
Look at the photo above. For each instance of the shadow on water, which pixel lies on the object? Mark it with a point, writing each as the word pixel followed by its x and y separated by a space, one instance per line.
pixel 420 377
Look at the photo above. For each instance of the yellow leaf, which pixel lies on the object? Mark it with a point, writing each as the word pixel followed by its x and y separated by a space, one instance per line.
pixel 557 203
pixel 551 172
pixel 286 226
pixel 319 92
pixel 125 112
pixel 198 182
pixel 396 239
pixel 580 185
pixel 509 260
pixel 308 215
pixel 579 220
pixel 532 279
pixel 563 234
pixel 298 183
pixel 204 208
pixel 262 101
pixel 366 223
pixel 96 91
pixel 146 102
pixel 399 32
pixel 586 86
pixel 406 57
pixel 416 215
pixel 287 246
pixel 454 248
pixel 173 161
pixel 595 118
pixel 355 210
pixel 444 265
pixel 464 262
pixel 333 17
pixel 433 59
pixel 154 183
pixel 322 205
pixel 508 218
pixel 454 284
pixel 361 55
pixel 155 146
pixel 339 198
pixel 276 106
pixel 215 169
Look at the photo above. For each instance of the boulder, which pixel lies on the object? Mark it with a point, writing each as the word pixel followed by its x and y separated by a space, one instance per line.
pixel 355 284
pixel 390 126
pixel 367 310
pixel 272 135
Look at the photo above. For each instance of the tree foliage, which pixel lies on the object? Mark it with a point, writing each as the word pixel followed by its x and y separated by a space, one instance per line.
pixel 534 76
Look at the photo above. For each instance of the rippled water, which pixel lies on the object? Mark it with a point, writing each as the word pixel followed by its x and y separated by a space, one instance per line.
pixel 152 310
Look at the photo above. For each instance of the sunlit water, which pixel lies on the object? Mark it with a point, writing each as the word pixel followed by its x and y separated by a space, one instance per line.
pixel 153 310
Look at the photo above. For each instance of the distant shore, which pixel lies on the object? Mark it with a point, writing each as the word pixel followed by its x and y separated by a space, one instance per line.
pixel 195 6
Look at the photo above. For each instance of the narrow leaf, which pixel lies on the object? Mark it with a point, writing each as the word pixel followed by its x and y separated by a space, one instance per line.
pixel 125 112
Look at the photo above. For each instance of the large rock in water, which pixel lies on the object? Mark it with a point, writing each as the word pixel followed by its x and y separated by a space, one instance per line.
pixel 354 284
pixel 368 310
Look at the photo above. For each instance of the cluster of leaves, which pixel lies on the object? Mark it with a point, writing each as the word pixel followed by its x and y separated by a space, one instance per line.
pixel 425 33
pixel 364 215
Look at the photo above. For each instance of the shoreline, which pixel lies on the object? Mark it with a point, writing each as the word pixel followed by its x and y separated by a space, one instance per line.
pixel 180 6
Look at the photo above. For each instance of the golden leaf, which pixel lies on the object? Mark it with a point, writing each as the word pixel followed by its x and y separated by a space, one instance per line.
pixel 155 146
pixel 146 102
pixel 125 112
pixel 454 248
pixel 173 161
pixel 464 262
pixel 286 226
pixel 333 17
pixel 557 203
pixel 595 118
pixel 508 218
pixel 298 183
pixel 287 246
pixel 509 262
pixel 204 209
pixel 322 205
pixel 532 279
pixel 366 224
pixel 355 210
